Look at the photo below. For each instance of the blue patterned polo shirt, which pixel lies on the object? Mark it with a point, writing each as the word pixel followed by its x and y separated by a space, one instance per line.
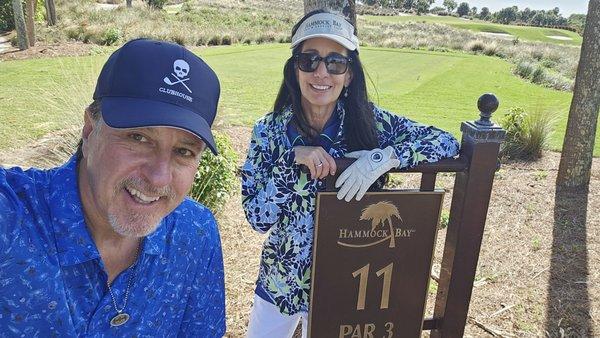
pixel 279 199
pixel 53 283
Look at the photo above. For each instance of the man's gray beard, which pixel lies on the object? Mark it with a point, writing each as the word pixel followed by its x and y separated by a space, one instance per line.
pixel 129 231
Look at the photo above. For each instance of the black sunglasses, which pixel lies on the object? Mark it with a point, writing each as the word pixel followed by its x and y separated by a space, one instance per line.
pixel 334 63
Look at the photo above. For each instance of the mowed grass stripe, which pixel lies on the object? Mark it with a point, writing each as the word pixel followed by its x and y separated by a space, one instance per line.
pixel 450 96
pixel 434 88
pixel 522 32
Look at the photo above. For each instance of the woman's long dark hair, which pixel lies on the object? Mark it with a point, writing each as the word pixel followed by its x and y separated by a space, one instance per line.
pixel 359 120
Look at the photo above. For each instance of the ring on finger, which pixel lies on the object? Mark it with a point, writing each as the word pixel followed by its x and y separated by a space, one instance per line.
pixel 320 164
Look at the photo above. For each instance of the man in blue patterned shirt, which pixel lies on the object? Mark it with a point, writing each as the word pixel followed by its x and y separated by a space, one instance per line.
pixel 107 244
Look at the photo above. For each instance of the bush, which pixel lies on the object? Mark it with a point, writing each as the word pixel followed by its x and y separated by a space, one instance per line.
pixel 187 7
pixel 111 36
pixel 216 179
pixel 490 49
pixel 524 69
pixel 178 39
pixel 215 40
pixel 444 219
pixel 539 75
pixel 527 135
pixel 475 46
pixel 226 40
pixel 156 4
pixel 6 16
pixel 201 41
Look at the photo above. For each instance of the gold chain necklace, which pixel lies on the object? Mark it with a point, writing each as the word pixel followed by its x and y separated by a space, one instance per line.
pixel 122 317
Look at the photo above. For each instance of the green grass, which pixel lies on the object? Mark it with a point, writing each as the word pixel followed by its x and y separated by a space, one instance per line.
pixel 430 87
pixel 522 32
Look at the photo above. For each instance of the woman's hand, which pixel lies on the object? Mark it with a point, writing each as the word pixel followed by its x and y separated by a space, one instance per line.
pixel 318 161
pixel 358 177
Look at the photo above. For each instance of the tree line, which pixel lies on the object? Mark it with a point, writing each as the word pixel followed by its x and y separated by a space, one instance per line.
pixel 508 15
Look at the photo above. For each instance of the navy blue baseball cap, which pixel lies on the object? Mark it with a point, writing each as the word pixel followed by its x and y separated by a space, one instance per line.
pixel 148 83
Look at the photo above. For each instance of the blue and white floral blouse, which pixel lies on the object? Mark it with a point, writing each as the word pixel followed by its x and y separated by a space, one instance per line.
pixel 53 282
pixel 280 199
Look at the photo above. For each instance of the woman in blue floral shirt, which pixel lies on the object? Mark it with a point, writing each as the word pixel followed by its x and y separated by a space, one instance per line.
pixel 322 112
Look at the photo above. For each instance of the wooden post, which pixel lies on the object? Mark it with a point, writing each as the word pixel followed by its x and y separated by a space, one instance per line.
pixel 472 189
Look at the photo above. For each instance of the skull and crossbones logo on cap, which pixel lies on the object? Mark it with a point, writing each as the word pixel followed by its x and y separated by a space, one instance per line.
pixel 181 69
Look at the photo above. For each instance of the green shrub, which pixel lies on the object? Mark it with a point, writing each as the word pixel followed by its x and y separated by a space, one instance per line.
pixel 524 69
pixel 6 16
pixel 178 39
pixel 156 4
pixel 490 49
pixel 539 75
pixel 226 40
pixel 549 63
pixel 7 22
pixel 187 7
pixel 527 135
pixel 444 219
pixel 111 36
pixel 475 46
pixel 537 54
pixel 216 176
pixel 215 40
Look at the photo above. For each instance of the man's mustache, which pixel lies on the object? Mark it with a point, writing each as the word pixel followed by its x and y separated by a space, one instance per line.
pixel 146 188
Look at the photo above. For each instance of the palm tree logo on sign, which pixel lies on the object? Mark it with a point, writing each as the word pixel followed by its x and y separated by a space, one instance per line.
pixel 379 214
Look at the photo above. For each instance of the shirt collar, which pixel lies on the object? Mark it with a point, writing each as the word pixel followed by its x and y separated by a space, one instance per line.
pixel 154 244
pixel 286 116
pixel 73 239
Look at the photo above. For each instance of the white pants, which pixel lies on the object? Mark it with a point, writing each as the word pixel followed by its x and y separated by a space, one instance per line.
pixel 267 321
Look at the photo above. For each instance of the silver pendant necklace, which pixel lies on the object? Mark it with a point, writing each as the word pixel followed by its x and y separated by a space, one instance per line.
pixel 122 317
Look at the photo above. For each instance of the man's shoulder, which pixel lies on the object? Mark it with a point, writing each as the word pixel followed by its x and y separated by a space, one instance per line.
pixel 17 184
pixel 195 220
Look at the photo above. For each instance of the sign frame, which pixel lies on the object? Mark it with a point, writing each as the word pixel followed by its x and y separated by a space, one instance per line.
pixel 384 275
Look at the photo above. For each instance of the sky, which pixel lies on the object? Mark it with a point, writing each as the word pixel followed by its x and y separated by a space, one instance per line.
pixel 567 7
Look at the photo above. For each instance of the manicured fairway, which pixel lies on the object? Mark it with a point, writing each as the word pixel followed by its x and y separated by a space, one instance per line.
pixel 558 36
pixel 435 88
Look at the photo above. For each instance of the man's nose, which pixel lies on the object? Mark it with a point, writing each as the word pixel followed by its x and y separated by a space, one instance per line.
pixel 159 169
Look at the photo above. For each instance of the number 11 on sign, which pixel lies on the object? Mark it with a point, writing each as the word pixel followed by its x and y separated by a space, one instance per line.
pixel 363 281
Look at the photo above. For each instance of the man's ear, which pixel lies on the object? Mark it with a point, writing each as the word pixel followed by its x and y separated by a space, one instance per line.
pixel 88 125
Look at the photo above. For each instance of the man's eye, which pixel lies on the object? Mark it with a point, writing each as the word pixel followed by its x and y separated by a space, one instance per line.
pixel 185 152
pixel 138 137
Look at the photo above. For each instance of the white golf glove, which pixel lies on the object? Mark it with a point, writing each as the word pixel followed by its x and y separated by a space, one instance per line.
pixel 359 176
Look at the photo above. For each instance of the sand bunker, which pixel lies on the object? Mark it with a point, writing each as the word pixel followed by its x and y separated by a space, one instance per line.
pixel 558 37
pixel 497 35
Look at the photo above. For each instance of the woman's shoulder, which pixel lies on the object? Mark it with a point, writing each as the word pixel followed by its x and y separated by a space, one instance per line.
pixel 272 118
pixel 383 115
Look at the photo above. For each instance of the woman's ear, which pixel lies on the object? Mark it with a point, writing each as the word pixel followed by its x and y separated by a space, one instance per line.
pixel 348 78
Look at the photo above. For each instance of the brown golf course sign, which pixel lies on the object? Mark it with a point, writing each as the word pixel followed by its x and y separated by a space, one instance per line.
pixel 372 261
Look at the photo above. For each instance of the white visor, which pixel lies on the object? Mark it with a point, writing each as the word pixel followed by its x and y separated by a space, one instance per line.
pixel 329 26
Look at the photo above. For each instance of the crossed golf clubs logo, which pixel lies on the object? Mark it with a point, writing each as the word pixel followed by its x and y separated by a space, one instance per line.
pixel 180 71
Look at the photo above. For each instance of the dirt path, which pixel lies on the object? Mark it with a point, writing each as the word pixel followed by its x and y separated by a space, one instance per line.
pixel 5 43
